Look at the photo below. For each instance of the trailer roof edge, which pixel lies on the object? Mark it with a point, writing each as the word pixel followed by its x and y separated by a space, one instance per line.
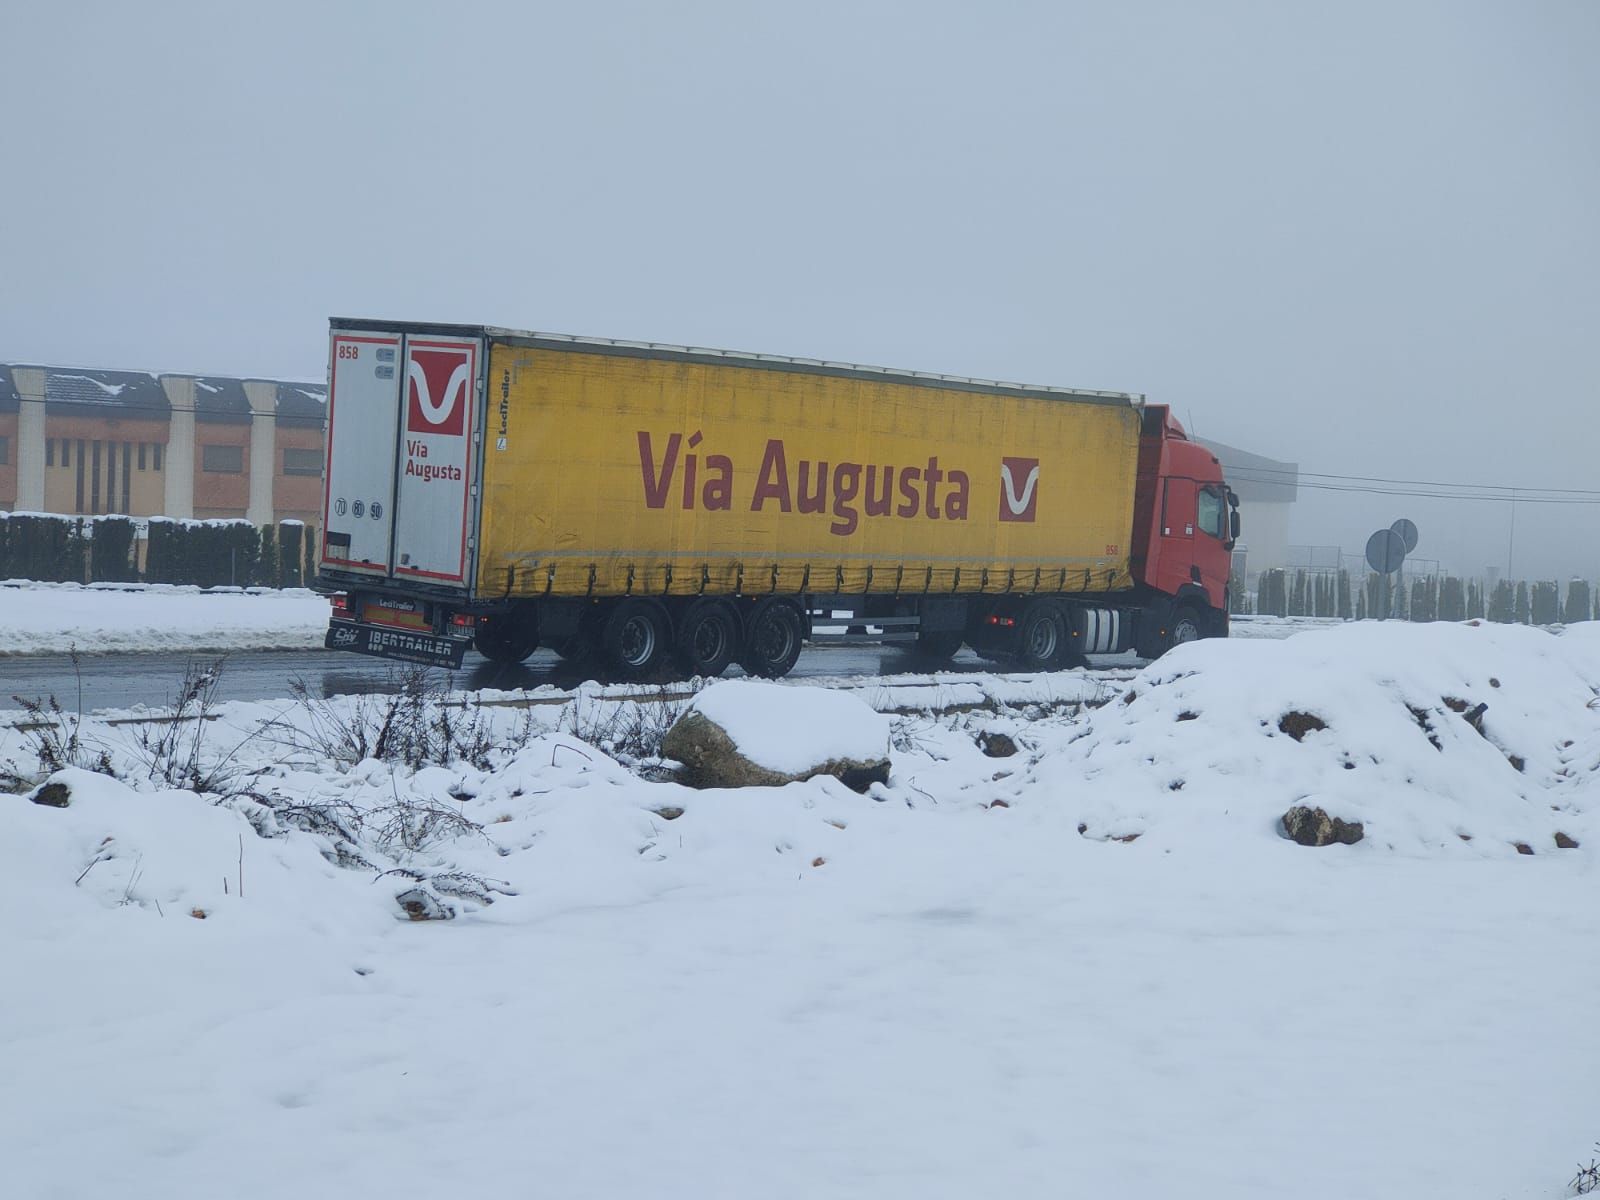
pixel 743 358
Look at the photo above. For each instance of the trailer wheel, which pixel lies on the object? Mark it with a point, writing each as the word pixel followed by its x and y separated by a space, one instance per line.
pixel 773 636
pixel 635 638
pixel 1041 638
pixel 506 639
pixel 708 638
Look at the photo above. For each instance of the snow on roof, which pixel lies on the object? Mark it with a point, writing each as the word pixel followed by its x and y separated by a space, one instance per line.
pixel 120 389
pixel 217 397
pixel 10 399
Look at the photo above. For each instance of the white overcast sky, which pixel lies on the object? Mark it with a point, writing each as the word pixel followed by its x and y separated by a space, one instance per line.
pixel 1360 236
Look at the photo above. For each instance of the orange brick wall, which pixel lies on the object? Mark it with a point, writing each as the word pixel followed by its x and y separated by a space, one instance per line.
pixel 8 469
pixel 296 496
pixel 217 494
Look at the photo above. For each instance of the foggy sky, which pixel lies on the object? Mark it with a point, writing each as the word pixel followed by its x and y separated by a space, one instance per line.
pixel 1360 236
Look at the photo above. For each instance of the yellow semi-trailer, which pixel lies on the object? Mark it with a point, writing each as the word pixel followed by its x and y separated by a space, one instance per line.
pixel 669 506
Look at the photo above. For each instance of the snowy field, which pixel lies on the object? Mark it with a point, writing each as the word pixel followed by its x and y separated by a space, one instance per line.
pixel 1095 968
pixel 44 618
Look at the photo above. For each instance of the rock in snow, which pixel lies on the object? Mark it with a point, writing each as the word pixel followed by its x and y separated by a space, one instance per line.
pixel 54 794
pixel 1314 827
pixel 746 734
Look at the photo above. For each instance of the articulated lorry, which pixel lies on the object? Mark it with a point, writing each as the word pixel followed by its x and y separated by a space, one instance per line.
pixel 674 509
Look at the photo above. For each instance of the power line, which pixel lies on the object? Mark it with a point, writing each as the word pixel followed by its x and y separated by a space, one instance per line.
pixel 1296 474
pixel 1518 498
pixel 117 411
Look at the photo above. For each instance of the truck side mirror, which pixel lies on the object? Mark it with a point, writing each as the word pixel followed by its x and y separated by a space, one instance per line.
pixel 1233 524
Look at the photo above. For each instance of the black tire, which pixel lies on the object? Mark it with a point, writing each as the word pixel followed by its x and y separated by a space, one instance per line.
pixel 773 636
pixel 636 639
pixel 1186 626
pixel 507 639
pixel 940 646
pixel 1041 638
pixel 708 639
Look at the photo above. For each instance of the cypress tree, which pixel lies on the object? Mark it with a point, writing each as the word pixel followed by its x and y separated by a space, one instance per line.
pixel 1578 603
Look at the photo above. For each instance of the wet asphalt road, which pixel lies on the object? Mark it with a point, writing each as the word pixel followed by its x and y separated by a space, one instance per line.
pixel 124 680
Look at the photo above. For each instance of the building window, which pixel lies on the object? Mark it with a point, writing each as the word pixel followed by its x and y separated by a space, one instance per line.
pixel 142 446
pixel 49 452
pixel 301 462
pixel 155 456
pixel 66 452
pixel 224 460
pixel 5 451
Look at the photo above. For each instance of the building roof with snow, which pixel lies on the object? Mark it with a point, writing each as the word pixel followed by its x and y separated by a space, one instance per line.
pixel 217 398
pixel 302 404
pixel 220 399
pixel 10 398
pixel 130 393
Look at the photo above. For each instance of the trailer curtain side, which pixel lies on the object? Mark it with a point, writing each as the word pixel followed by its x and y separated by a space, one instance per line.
pixel 614 473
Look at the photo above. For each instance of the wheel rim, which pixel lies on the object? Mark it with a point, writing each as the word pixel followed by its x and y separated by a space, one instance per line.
pixel 1185 631
pixel 1042 640
pixel 638 641
pixel 710 640
pixel 776 640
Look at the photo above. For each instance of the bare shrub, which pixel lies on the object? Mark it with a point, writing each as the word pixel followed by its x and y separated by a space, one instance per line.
pixel 1587 1179
pixel 411 823
pixel 173 749
pixel 414 722
pixel 631 731
pixel 55 738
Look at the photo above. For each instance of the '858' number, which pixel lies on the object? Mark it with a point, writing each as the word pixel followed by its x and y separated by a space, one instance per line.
pixel 349 350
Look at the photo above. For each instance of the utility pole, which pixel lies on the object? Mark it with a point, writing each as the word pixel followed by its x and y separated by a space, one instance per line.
pixel 1511 541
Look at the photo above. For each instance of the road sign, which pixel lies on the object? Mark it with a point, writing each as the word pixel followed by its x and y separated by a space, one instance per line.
pixel 1386 550
pixel 1407 530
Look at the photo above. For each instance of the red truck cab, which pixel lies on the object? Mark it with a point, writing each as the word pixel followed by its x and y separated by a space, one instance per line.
pixel 1186 521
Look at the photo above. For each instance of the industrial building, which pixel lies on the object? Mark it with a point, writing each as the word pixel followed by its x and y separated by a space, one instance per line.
pixel 1267 490
pixel 88 442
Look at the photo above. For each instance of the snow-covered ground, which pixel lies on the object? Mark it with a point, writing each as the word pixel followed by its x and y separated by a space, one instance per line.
pixel 1095 968
pixel 44 618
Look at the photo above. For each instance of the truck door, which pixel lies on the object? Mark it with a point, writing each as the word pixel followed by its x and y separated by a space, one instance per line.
pixel 358 477
pixel 437 467
pixel 1177 534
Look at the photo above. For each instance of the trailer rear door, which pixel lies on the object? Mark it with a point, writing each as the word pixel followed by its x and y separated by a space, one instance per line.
pixel 437 469
pixel 363 424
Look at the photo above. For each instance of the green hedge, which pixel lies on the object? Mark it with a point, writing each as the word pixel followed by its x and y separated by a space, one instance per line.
pixel 291 551
pixel 47 548
pixel 111 550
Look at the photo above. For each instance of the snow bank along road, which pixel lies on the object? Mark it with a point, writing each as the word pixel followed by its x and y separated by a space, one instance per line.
pixel 1093 968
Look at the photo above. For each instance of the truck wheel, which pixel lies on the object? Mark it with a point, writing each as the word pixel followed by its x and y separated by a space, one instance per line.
pixel 506 639
pixel 708 639
pixel 773 637
pixel 938 647
pixel 635 638
pixel 1185 627
pixel 1041 638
